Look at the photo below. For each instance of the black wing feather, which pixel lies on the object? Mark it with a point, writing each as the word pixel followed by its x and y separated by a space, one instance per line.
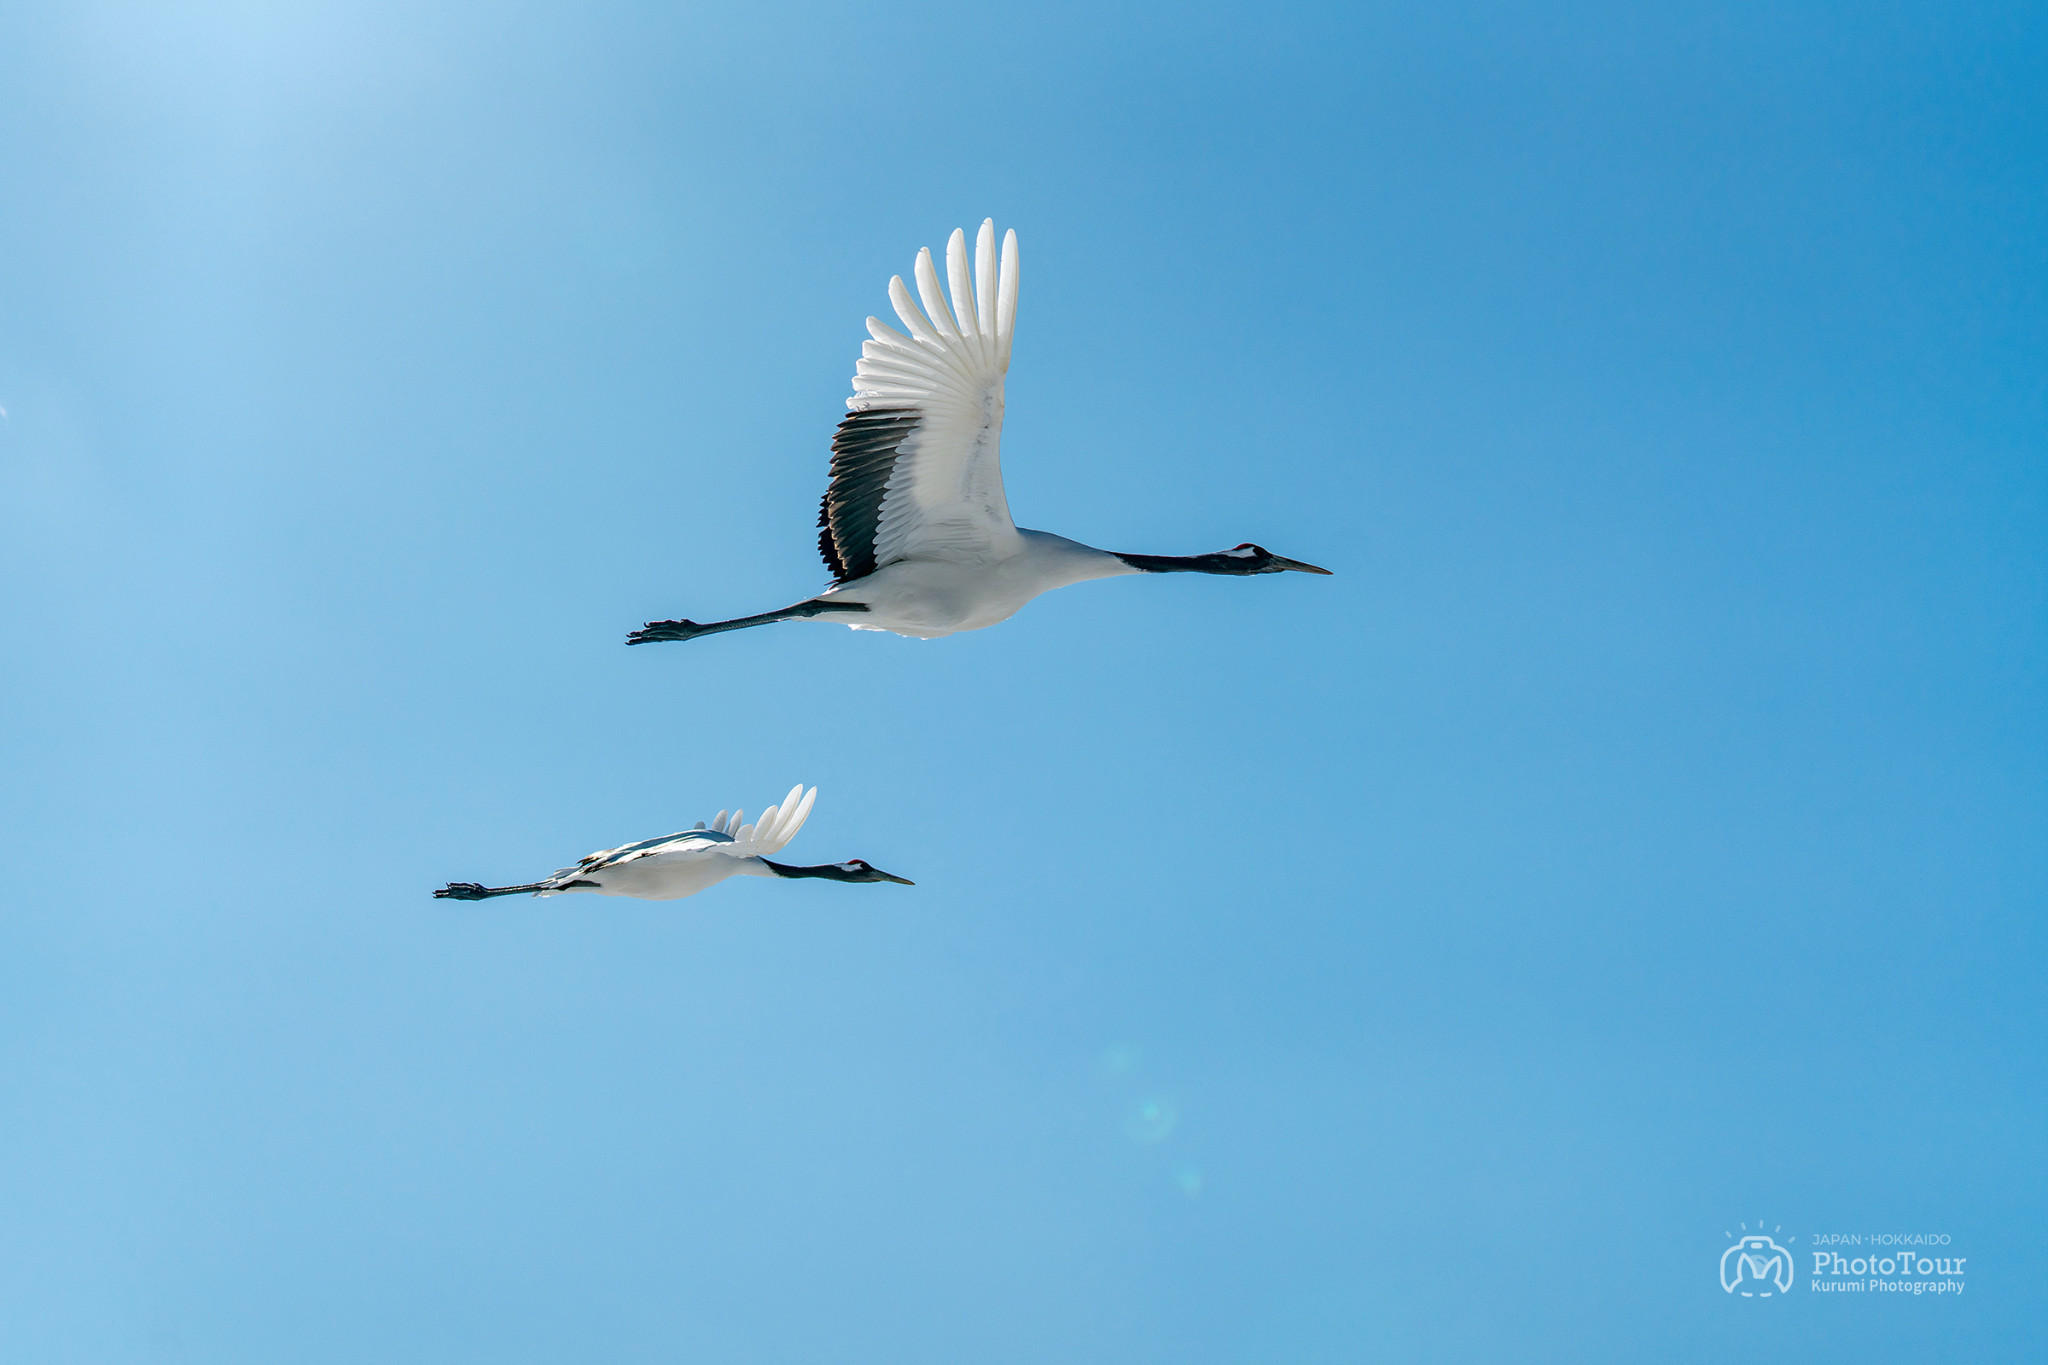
pixel 864 452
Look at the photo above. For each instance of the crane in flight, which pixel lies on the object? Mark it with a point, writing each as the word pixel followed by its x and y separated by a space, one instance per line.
pixel 914 526
pixel 678 865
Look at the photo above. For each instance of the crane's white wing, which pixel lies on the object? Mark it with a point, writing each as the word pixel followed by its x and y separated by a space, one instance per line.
pixel 777 826
pixel 726 835
pixel 915 464
pixel 689 839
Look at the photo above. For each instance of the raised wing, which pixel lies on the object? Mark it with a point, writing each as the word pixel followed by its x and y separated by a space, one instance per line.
pixel 777 826
pixel 915 464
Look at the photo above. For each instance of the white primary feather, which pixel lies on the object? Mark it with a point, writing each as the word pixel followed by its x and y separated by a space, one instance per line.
pixel 777 826
pixel 945 493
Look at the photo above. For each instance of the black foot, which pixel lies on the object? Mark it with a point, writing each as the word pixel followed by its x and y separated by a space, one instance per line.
pixel 658 631
pixel 463 891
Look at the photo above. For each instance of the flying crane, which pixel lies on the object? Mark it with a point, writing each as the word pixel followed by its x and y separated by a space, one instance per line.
pixel 914 526
pixel 678 865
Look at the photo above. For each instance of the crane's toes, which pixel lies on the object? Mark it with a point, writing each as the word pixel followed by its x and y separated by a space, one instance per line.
pixel 463 891
pixel 657 631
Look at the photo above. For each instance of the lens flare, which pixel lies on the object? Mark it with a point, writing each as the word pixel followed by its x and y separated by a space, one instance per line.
pixel 1150 1120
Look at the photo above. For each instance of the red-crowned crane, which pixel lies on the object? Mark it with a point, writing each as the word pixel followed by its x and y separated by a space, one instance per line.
pixel 678 865
pixel 915 527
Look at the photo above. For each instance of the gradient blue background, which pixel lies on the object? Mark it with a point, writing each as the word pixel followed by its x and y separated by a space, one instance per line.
pixel 1643 832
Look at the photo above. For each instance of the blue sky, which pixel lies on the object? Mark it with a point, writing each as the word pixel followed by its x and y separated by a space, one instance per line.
pixel 1642 834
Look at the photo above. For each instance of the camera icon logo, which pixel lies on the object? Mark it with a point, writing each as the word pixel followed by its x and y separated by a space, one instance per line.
pixel 1756 1267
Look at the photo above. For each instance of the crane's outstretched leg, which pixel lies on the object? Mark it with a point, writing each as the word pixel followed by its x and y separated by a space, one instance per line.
pixel 477 891
pixel 657 631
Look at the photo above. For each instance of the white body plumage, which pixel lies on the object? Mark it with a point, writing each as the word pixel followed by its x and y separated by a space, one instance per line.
pixel 927 598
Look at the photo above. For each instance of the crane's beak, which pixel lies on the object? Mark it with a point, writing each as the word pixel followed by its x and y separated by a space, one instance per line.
pixel 892 877
pixel 1298 566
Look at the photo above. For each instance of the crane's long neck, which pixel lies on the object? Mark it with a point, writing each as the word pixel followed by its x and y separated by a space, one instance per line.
pixel 1224 563
pixel 1061 561
pixel 831 872
pixel 1056 562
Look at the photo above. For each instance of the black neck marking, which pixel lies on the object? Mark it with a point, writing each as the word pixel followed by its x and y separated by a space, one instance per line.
pixel 853 870
pixel 1223 562
pixel 831 872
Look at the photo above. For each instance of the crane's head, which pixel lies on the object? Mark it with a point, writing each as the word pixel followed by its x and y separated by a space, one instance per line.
pixel 1250 558
pixel 855 870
